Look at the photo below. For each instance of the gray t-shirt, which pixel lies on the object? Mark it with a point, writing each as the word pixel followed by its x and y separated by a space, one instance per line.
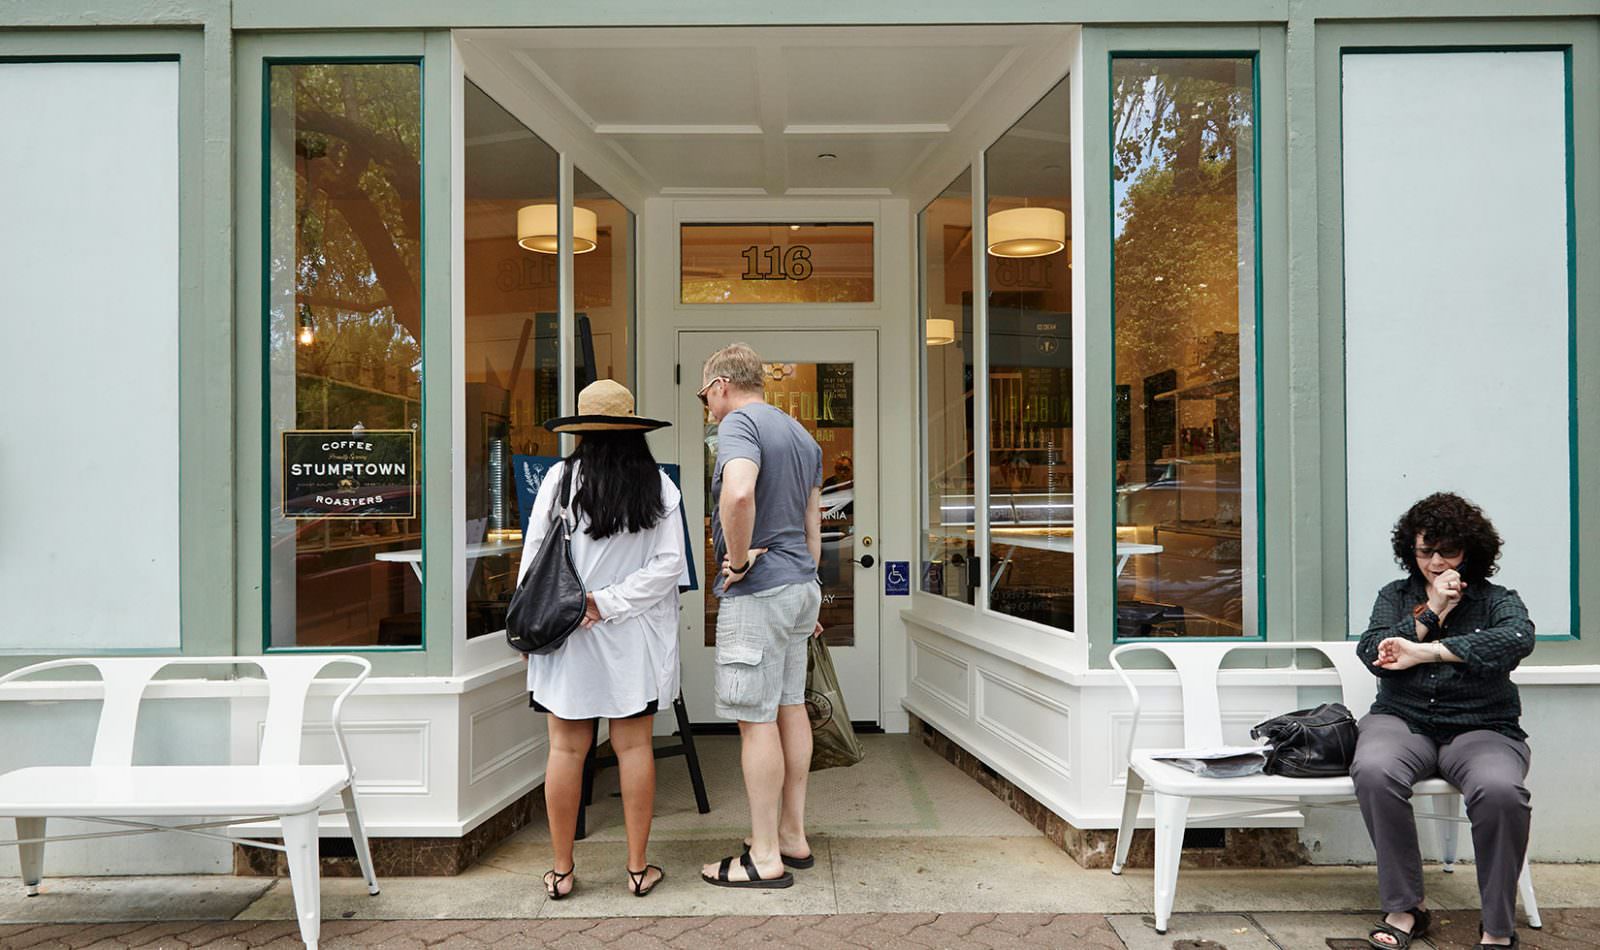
pixel 790 463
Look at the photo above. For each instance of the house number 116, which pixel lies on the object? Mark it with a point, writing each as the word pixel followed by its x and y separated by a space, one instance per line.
pixel 793 263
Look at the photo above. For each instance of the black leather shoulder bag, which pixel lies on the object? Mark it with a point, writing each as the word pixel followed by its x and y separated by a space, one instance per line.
pixel 1310 743
pixel 549 601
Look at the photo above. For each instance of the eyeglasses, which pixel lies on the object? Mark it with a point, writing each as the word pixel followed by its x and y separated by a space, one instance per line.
pixel 701 395
pixel 1449 554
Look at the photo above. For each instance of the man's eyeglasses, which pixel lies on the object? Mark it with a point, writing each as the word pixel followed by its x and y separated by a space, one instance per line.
pixel 701 395
pixel 1449 554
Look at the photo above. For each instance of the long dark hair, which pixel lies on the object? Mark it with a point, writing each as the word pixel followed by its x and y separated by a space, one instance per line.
pixel 621 487
pixel 1445 519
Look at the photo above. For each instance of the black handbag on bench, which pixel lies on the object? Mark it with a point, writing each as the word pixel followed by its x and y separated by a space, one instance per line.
pixel 549 601
pixel 1310 743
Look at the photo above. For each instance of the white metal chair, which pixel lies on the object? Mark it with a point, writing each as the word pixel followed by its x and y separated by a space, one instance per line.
pixel 1197 665
pixel 112 790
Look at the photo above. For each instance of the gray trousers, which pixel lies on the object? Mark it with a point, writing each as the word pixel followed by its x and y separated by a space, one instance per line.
pixel 1487 767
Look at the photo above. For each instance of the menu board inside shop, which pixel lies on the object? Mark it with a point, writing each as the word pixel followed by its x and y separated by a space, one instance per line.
pixel 340 473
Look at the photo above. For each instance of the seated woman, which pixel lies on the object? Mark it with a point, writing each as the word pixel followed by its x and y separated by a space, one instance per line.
pixel 1443 642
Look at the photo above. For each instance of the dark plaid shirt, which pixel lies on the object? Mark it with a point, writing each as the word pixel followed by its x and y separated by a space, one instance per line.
pixel 1491 633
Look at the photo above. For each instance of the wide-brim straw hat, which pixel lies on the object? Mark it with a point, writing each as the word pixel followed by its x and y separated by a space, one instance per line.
pixel 604 405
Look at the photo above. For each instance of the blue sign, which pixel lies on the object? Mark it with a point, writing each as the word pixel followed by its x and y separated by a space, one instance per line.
pixel 530 471
pixel 897 578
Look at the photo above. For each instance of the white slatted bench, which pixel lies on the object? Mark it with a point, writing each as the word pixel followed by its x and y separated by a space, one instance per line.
pixel 112 790
pixel 1197 665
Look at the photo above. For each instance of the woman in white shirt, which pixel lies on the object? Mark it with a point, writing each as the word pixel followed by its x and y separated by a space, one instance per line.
pixel 622 664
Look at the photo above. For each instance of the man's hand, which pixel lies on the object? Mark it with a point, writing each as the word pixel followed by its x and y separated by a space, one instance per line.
pixel 591 612
pixel 729 578
pixel 1445 592
pixel 1398 653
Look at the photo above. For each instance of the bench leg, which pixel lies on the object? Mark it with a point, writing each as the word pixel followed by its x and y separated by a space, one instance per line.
pixel 1130 820
pixel 305 873
pixel 1172 813
pixel 1446 807
pixel 1530 904
pixel 31 856
pixel 358 837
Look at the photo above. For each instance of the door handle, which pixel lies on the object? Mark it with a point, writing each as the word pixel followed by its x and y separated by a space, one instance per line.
pixel 864 560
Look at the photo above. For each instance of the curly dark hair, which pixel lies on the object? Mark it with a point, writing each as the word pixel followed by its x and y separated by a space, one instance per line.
pixel 1445 519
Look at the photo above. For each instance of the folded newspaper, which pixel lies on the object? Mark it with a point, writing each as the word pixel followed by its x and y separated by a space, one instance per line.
pixel 1232 761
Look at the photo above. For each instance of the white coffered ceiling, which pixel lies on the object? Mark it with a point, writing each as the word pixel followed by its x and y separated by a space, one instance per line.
pixel 741 111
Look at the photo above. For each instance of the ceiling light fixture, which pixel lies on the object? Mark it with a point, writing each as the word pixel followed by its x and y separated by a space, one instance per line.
pixel 941 331
pixel 826 156
pixel 1027 232
pixel 537 229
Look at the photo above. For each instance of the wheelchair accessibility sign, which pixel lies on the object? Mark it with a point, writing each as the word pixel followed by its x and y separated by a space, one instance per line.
pixel 897 578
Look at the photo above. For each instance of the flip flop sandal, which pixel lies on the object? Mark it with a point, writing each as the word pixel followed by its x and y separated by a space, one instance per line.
pixel 755 879
pixel 790 861
pixel 636 879
pixel 552 887
pixel 1420 922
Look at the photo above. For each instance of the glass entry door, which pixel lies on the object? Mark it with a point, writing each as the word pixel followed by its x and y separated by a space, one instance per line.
pixel 826 380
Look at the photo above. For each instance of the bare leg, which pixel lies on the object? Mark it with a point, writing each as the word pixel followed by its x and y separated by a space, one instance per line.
pixel 636 766
pixel 794 729
pixel 563 786
pixel 761 756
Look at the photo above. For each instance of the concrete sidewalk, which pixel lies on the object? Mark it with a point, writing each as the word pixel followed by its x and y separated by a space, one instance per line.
pixel 1564 929
pixel 911 853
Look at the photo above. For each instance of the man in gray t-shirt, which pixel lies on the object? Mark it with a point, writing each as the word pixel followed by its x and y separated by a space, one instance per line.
pixel 789 465
pixel 767 529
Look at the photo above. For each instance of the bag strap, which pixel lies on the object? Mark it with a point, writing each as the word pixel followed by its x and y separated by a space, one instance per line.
pixel 565 510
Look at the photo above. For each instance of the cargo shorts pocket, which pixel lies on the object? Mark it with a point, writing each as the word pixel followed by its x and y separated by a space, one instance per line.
pixel 739 674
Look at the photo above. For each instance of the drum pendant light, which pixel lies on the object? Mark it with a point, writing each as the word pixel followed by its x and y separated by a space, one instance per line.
pixel 1027 232
pixel 941 331
pixel 537 231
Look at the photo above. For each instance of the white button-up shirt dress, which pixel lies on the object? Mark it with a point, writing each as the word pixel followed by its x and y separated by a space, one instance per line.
pixel 616 667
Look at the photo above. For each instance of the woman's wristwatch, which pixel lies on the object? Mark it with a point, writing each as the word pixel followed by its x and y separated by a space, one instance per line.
pixel 1425 616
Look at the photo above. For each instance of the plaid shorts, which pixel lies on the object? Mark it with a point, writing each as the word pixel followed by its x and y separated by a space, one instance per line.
pixel 761 650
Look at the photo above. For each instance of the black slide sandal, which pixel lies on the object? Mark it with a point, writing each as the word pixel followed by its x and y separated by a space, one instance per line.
pixel 755 878
pixel 1515 944
pixel 1421 921
pixel 789 861
pixel 636 879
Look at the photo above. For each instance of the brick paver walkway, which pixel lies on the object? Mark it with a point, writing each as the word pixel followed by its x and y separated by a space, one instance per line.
pixel 1565 929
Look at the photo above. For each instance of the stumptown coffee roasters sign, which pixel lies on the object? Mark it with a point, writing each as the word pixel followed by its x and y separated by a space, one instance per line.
pixel 370 473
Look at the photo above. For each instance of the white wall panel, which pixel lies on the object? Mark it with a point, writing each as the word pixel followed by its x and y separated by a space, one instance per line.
pixel 89 362
pixel 1456 308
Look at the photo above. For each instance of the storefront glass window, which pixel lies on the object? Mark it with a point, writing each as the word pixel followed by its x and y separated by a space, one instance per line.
pixel 344 354
pixel 776 263
pixel 949 467
pixel 602 284
pixel 1184 286
pixel 1029 272
pixel 511 361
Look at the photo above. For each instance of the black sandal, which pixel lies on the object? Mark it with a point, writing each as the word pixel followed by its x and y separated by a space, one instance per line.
pixel 1516 942
pixel 754 878
pixel 636 879
pixel 552 884
pixel 1421 920
pixel 799 864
